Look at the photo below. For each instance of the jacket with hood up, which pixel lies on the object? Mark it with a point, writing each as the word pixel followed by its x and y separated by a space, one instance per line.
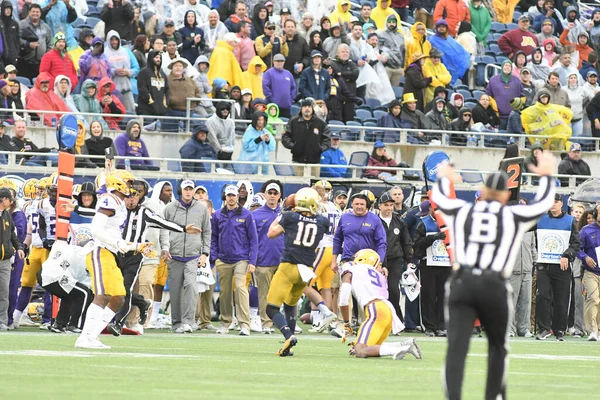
pixel 339 13
pixel 93 66
pixel 306 139
pixel 224 64
pixel 542 37
pixel 201 80
pixel 152 89
pixel 550 119
pixel 86 103
pixel 67 98
pixel 439 77
pixel 10 34
pixel 460 125
pixel 116 107
pixel 505 10
pixel 579 97
pixel 380 15
pixel 36 99
pixel 119 58
pixel 253 80
pixel 503 88
pixel 419 44
pixel 194 149
pixel 391 42
pixel 56 62
pixel 180 15
pixel 453 11
pixel 130 146
pixel 539 69
pixel 254 148
pixel 456 59
pixel 190 49
pixel 558 95
pixel 221 131
pixel 97 146
pixel 481 22
pixel 117 18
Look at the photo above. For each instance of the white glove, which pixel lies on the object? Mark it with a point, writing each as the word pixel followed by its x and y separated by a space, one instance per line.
pixel 123 246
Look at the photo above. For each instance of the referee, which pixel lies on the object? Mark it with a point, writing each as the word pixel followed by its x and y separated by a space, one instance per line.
pixel 486 237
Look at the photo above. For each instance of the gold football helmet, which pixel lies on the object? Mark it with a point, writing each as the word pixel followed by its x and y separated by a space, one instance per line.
pixel 42 185
pixel 307 199
pixel 6 183
pixel 115 183
pixel 127 176
pixel 30 191
pixel 367 256
pixel 327 186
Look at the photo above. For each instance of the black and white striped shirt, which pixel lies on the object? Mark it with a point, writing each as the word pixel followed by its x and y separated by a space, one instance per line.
pixel 140 219
pixel 487 235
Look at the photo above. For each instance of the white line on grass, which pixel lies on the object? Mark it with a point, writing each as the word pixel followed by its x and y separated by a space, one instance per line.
pixel 545 357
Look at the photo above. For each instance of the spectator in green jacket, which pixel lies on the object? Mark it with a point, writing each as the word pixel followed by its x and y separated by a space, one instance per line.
pixel 481 22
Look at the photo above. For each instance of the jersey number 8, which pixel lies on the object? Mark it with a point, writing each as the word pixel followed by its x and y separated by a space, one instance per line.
pixel 307 234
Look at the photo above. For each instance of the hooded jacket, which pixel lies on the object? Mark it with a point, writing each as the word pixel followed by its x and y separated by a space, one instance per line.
pixel 180 14
pixel 578 29
pixel 56 63
pixel 93 66
pixel 298 52
pixel 438 119
pixel 234 236
pixel 583 49
pixel 505 10
pixel 116 107
pixel 60 18
pixel 194 149
pixel 253 80
pixel 201 80
pixel 380 15
pixel 339 13
pixel 306 139
pixel 190 49
pixel 578 97
pixel 224 64
pixel 550 119
pixel 119 58
pixel 67 98
pixel 542 37
pixel 44 39
pixel 83 46
pixel 221 131
pixel 416 119
pixel 273 119
pixel 456 59
pixel 504 92
pixel 97 145
pixel 129 146
pixel 36 99
pixel 419 44
pixel 595 27
pixel 152 88
pixel 86 103
pixel 254 148
pixel 453 11
pixel 459 124
pixel 539 69
pixel 117 18
pixel 391 42
pixel 415 82
pixel 10 34
pixel 439 77
pixel 258 24
pixel 481 22
pixel 558 95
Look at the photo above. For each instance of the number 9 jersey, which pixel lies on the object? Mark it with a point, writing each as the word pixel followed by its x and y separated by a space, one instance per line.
pixel 367 283
pixel 302 235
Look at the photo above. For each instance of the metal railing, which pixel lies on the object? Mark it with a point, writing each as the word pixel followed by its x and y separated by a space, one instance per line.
pixel 219 167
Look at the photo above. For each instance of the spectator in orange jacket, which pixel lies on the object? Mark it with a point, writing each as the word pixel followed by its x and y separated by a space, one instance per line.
pixel 582 45
pixel 40 97
pixel 110 102
pixel 453 11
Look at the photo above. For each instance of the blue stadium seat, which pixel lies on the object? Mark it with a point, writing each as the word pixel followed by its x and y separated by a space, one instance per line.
pixel 335 122
pixel 373 103
pixel 498 27
pixel 500 59
pixel 516 15
pixel 294 109
pixel 370 135
pixel 511 25
pixel 398 91
pixel 471 103
pixel 379 113
pixel 284 170
pixel 76 32
pixel 284 119
pixel 363 115
pixel 477 94
pixel 494 48
pixel 472 177
pixel 465 94
pixel 497 36
pixel 92 21
pixel 77 23
pixel 360 159
pixel 92 9
pixel 25 81
pixel 352 133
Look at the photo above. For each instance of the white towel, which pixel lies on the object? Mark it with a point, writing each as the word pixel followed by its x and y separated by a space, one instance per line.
pixel 306 273
pixel 397 325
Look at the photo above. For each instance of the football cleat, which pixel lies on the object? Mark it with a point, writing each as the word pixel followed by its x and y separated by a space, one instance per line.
pixel 115 329
pixel 86 342
pixel 323 324
pixel 144 312
pixel 287 346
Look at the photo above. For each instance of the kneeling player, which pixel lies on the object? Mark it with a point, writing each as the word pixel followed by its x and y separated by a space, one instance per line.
pixel 363 278
pixel 304 229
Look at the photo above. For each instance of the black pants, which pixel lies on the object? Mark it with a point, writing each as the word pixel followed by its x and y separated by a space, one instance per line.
pixel 433 280
pixel 73 305
pixel 552 297
pixel 130 264
pixel 485 295
pixel 395 268
pixel 28 70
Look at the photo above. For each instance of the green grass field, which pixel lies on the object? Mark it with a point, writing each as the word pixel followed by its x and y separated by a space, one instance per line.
pixel 36 365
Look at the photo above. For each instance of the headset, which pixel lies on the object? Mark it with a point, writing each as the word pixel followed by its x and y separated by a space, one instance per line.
pixel 363 197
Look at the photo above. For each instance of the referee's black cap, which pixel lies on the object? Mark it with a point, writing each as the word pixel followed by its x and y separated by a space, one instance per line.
pixel 497 181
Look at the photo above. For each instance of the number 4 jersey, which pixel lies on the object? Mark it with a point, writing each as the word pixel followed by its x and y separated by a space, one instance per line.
pixel 302 235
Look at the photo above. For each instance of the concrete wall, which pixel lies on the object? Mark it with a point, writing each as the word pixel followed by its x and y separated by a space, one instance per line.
pixel 166 145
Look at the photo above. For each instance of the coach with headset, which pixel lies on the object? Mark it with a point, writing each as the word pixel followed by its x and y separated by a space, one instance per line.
pixel 357 230
pixel 184 254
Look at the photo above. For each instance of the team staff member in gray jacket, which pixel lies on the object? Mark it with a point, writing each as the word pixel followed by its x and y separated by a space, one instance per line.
pixel 234 249
pixel 185 253
pixel 521 282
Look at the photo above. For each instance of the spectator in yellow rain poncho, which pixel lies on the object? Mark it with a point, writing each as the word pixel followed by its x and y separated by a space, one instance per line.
pixel 547 119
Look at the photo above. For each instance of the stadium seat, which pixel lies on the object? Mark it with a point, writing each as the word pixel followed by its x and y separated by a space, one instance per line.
pixel 511 25
pixel 495 49
pixel 472 177
pixel 284 170
pixel 516 16
pixel 92 21
pixel 373 103
pixel 370 135
pixel 470 103
pixel 497 36
pixel 77 23
pixel 284 119
pixel 352 133
pixel 498 27
pixel 335 122
pixel 359 159
pixel 378 114
pixel 465 94
pixel 477 94
pixel 76 32
pixel 363 115
pixel 501 59
pixel 294 109
pixel 25 81
pixel 92 9
pixel 174 166
pixel 398 91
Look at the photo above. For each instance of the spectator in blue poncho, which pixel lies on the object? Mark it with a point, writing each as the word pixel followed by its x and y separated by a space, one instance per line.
pixel 257 143
pixel 59 16
pixel 455 57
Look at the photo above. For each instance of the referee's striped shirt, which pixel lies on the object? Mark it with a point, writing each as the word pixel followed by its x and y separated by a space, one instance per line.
pixel 140 219
pixel 488 235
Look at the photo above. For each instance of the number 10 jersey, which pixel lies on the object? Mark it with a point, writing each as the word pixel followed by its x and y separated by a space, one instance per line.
pixel 302 235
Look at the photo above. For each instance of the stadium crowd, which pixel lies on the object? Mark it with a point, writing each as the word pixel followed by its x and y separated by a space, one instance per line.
pixel 267 67
pixel 356 64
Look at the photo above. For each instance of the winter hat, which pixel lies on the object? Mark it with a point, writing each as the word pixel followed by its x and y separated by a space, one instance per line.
pixel 219 83
pixel 517 104
pixel 57 37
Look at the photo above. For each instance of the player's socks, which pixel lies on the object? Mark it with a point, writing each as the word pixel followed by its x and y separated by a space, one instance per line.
pixel 279 321
pixel 23 299
pixel 314 316
pixel 108 315
pixel 93 319
pixel 155 310
pixel 389 349
pixel 290 316
pixel 324 309
pixel 253 312
pixel 17 316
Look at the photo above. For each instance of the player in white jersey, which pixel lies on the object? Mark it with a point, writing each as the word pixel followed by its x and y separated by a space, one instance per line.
pixel 107 280
pixel 364 279
pixel 321 313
